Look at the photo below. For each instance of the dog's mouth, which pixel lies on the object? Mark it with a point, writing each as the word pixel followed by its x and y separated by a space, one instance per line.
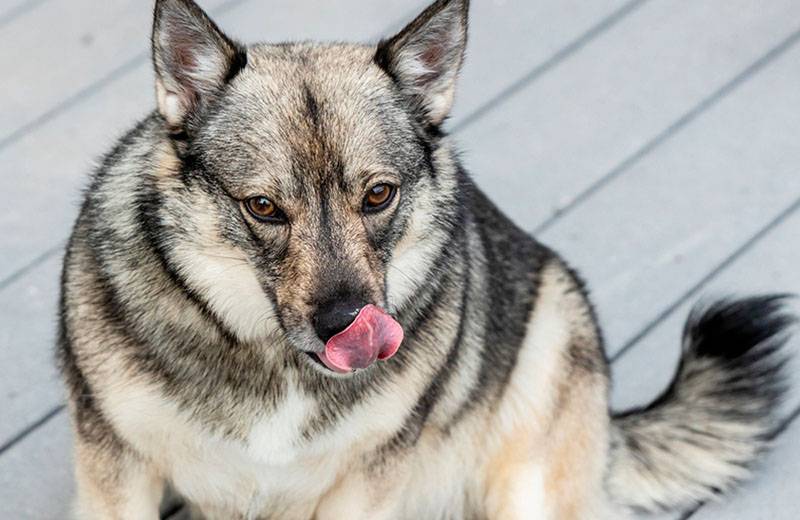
pixel 316 360
pixel 373 336
pixel 314 357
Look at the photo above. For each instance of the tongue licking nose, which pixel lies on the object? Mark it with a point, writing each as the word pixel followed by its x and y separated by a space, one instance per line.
pixel 373 335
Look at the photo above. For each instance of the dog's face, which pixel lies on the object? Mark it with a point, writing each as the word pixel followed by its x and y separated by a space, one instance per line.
pixel 310 181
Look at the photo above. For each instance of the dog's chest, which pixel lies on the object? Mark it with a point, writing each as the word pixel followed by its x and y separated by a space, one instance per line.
pixel 225 480
pixel 272 468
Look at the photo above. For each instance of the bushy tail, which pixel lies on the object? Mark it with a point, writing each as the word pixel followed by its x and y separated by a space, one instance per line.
pixel 701 437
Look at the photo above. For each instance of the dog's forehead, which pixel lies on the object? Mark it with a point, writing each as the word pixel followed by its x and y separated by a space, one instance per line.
pixel 301 112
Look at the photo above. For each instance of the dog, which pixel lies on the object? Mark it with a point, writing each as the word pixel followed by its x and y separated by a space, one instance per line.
pixel 284 298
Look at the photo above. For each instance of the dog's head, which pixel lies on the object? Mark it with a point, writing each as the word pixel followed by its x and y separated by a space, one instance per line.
pixel 307 182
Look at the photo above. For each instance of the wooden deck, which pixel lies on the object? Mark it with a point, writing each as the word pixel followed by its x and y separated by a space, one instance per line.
pixel 656 144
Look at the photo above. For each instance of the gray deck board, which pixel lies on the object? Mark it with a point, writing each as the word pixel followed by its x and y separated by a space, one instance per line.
pixel 509 45
pixel 68 46
pixel 644 240
pixel 11 10
pixel 769 267
pixel 29 385
pixel 655 143
pixel 36 477
pixel 596 110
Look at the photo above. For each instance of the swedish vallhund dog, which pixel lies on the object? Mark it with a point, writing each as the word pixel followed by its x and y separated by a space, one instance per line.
pixel 285 299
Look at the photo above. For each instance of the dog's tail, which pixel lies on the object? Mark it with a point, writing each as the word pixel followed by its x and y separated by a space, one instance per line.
pixel 700 438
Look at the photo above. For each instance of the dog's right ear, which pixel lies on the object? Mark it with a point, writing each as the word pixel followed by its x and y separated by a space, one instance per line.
pixel 193 60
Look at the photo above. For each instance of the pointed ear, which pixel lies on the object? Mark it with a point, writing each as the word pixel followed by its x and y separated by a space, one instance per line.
pixel 425 58
pixel 193 59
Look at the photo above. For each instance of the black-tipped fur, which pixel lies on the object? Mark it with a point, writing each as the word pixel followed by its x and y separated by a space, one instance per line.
pixel 701 437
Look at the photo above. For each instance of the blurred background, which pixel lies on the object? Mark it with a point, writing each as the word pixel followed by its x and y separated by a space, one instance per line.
pixel 654 143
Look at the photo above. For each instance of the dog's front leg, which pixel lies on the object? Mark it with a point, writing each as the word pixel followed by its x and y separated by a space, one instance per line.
pixel 113 484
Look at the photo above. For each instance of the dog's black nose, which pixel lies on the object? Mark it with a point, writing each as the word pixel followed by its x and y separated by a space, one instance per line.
pixel 333 317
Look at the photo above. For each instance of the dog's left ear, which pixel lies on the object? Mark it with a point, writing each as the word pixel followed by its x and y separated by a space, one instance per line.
pixel 193 60
pixel 426 57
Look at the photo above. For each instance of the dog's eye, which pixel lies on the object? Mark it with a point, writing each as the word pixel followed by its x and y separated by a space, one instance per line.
pixel 379 197
pixel 264 209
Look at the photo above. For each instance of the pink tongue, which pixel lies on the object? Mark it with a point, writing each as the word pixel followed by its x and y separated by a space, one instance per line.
pixel 374 335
